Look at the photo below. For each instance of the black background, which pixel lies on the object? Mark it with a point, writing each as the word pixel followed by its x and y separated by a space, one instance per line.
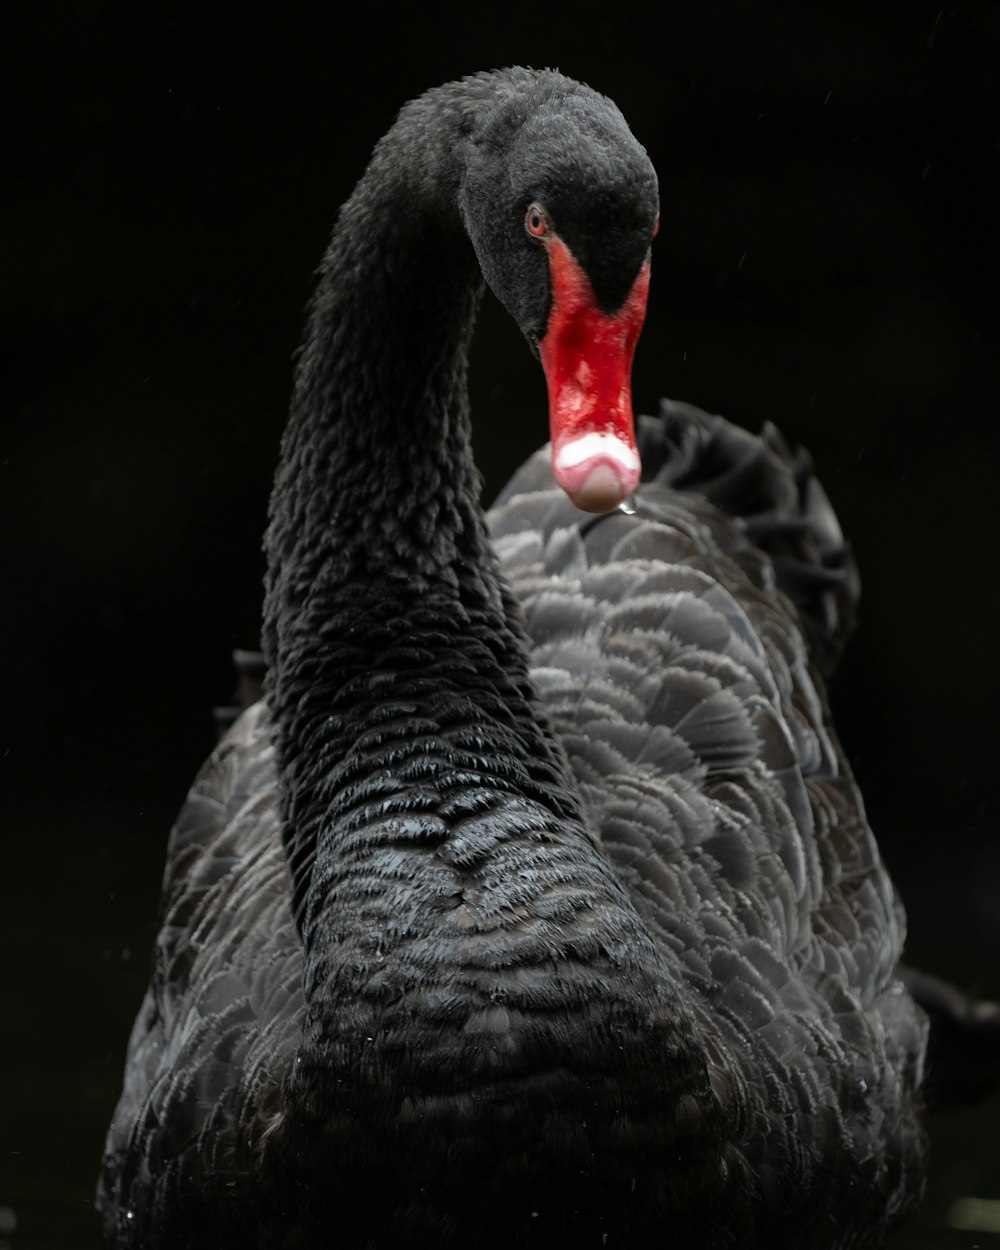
pixel 828 260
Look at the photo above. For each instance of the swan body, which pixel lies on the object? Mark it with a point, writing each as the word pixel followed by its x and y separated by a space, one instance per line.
pixel 536 904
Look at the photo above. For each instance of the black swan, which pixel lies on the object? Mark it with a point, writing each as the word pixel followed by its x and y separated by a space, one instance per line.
pixel 535 905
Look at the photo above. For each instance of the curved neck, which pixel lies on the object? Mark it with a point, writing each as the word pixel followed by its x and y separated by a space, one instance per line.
pixel 379 564
pixel 377 448
pixel 462 930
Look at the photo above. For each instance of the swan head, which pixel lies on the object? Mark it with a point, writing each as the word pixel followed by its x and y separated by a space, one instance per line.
pixel 561 204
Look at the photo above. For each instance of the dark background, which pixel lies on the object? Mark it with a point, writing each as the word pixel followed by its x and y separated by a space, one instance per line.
pixel 828 260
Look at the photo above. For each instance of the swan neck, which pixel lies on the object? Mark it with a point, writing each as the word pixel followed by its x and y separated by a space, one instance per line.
pixel 384 598
pixel 465 938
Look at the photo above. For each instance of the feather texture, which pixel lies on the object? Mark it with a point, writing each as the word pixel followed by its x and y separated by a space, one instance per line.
pixel 536 905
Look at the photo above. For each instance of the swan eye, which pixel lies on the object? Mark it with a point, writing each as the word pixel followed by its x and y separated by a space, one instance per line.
pixel 656 226
pixel 535 222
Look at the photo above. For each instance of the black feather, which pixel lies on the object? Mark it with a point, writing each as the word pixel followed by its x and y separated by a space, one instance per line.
pixel 535 906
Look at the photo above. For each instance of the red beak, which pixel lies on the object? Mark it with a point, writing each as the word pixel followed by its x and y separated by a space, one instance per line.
pixel 587 357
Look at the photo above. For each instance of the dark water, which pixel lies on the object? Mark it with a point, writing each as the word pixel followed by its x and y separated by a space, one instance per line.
pixel 828 259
